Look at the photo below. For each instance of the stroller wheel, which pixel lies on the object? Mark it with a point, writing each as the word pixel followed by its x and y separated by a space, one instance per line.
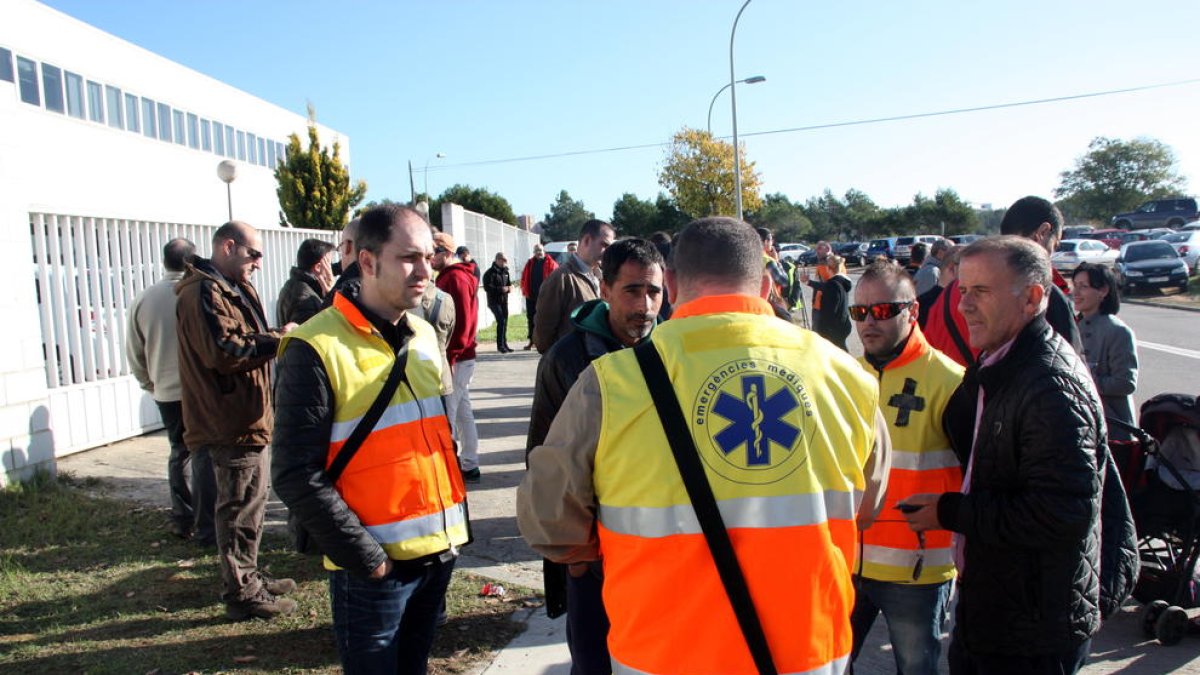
pixel 1150 614
pixel 1171 626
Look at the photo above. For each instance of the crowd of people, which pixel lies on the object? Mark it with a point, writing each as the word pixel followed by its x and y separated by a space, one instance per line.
pixel 716 485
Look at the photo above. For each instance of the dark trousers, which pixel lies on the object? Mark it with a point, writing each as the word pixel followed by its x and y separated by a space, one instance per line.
pixel 241 504
pixel 387 626
pixel 530 311
pixel 500 311
pixel 587 623
pixel 963 662
pixel 192 506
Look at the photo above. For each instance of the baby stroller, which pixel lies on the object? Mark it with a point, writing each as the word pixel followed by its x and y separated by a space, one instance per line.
pixel 1161 472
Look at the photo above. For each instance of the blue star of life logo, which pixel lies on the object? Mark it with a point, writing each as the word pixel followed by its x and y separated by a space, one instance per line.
pixel 756 420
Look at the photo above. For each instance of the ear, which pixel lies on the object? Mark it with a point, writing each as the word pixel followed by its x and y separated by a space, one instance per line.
pixel 1036 294
pixel 366 262
pixel 1043 233
pixel 605 291
pixel 672 284
pixel 914 311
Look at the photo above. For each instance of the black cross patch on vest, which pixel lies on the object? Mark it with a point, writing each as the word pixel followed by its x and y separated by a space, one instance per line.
pixel 907 401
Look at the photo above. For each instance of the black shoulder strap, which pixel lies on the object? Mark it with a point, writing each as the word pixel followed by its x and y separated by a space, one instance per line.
pixel 952 328
pixel 369 420
pixel 704 504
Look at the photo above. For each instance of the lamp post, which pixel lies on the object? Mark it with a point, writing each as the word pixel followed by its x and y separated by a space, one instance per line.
pixel 440 155
pixel 227 171
pixel 737 160
pixel 749 80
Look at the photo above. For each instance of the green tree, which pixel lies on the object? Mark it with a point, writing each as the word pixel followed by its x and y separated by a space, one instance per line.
pixel 374 203
pixel 928 216
pixel 698 172
pixel 1116 176
pixel 314 186
pixel 633 216
pixel 783 217
pixel 479 200
pixel 565 218
pixel 827 214
pixel 670 218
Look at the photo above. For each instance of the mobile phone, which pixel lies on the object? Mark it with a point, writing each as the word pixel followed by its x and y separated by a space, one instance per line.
pixel 908 508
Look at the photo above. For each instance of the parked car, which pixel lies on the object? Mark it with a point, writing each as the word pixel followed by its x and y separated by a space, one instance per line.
pixel 1159 232
pixel 1151 264
pixel 854 252
pixel 1110 236
pixel 558 250
pixel 791 251
pixel 1187 243
pixel 904 245
pixel 1173 213
pixel 878 247
pixel 1077 231
pixel 964 239
pixel 1130 237
pixel 809 257
pixel 1072 252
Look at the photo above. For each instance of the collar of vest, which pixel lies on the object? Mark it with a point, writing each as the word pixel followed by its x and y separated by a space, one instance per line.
pixel 913 349
pixel 717 304
pixel 352 314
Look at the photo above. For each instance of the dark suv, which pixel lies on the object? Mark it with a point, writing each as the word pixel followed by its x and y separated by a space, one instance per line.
pixel 1173 213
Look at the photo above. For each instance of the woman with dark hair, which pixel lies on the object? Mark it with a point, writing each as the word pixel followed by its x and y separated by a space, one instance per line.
pixel 1109 346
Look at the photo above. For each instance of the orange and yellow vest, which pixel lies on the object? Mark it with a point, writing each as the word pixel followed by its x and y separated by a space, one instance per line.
pixel 913 392
pixel 403 483
pixel 784 424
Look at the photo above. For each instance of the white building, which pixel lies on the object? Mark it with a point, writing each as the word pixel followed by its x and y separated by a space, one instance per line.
pixel 106 151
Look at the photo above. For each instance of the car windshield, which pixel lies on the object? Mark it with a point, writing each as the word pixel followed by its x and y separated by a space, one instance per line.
pixel 905 241
pixel 1175 237
pixel 879 243
pixel 1152 251
pixel 1066 246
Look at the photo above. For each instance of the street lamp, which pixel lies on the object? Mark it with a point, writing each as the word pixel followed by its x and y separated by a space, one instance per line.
pixel 749 80
pixel 412 185
pixel 737 160
pixel 227 171
pixel 440 155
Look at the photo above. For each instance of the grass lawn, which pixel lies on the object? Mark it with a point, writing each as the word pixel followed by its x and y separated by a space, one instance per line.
pixel 517 335
pixel 96 585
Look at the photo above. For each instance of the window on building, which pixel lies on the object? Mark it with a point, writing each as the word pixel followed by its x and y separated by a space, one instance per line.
pixel 241 145
pixel 180 133
pixel 282 153
pixel 164 122
pixel 131 113
pixel 251 145
pixel 6 67
pixel 74 95
pixel 230 144
pixel 53 87
pixel 27 75
pixel 271 154
pixel 112 97
pixel 95 101
pixel 149 128
pixel 206 135
pixel 219 138
pixel 262 151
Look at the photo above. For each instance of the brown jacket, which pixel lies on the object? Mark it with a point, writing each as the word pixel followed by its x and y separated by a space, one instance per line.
pixel 568 287
pixel 225 347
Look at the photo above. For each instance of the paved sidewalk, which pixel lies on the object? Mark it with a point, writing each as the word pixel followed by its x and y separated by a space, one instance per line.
pixel 501 396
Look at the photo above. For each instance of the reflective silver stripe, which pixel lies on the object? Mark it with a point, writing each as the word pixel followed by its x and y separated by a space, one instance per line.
pixel 400 413
pixel 903 557
pixel 748 512
pixel 924 461
pixel 834 667
pixel 423 526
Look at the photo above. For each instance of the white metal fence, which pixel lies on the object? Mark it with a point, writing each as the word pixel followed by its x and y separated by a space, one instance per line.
pixel 88 270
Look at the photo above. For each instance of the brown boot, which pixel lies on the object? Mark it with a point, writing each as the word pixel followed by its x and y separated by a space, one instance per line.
pixel 262 606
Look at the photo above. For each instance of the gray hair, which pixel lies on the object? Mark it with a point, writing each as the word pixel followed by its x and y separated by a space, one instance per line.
pixel 1028 262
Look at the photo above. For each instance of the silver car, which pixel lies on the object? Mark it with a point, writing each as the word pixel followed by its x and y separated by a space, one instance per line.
pixel 1187 243
pixel 1071 252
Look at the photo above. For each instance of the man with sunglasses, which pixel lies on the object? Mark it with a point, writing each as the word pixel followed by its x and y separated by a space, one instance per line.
pixel 905 576
pixel 225 349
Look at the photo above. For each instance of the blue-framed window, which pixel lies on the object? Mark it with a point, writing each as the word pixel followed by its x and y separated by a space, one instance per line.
pixel 28 81
pixel 230 141
pixel 241 145
pixel 164 122
pixel 206 135
pixel 74 95
pixel 52 87
pixel 131 114
pixel 262 151
pixel 251 148
pixel 193 131
pixel 6 66
pixel 112 96
pixel 149 128
pixel 271 154
pixel 219 138
pixel 177 125
pixel 95 100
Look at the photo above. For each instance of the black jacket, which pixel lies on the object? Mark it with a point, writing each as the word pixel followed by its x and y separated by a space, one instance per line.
pixel 350 276
pixel 833 321
pixel 299 299
pixel 1031 519
pixel 495 280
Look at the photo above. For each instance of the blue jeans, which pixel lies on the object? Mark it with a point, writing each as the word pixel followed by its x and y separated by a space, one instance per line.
pixel 914 613
pixel 387 626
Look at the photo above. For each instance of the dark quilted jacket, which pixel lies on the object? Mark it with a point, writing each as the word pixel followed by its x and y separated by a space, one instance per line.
pixel 1031 519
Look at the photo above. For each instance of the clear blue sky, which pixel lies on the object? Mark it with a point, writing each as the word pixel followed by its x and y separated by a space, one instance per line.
pixel 485 81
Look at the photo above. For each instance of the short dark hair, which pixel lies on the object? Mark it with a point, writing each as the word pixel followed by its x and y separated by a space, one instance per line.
pixel 895 276
pixel 594 227
pixel 1027 214
pixel 231 231
pixel 917 252
pixel 662 241
pixel 461 251
pixel 633 250
pixel 375 225
pixel 941 246
pixel 311 251
pixel 764 233
pixel 1100 276
pixel 718 247
pixel 177 254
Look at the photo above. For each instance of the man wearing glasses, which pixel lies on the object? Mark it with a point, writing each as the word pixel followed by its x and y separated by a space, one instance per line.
pixel 225 348
pixel 905 575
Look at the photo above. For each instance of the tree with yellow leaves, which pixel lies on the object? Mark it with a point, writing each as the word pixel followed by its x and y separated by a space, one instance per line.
pixel 698 172
pixel 314 186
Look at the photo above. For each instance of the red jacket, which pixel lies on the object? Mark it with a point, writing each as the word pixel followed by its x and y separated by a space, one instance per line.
pixel 548 266
pixel 938 332
pixel 460 283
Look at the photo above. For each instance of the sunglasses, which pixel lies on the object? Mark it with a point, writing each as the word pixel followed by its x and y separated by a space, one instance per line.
pixel 880 311
pixel 253 253
pixel 440 249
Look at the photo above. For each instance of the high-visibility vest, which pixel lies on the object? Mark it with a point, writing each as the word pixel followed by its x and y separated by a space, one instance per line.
pixel 913 392
pixel 784 423
pixel 403 483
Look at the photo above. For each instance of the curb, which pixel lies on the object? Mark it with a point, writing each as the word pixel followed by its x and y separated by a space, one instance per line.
pixel 1148 303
